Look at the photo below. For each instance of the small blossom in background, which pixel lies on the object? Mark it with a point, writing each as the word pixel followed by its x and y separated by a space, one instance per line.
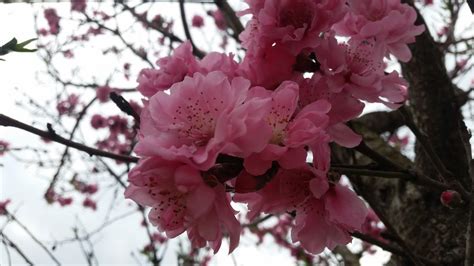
pixel 89 203
pixel 98 121
pixel 64 201
pixel 197 21
pixel 78 5
pixel 68 106
pixel 102 93
pixel 219 19
pixel 53 20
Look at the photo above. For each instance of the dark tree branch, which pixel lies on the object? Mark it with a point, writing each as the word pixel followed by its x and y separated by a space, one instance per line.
pixel 124 106
pixel 185 24
pixel 51 135
pixel 231 18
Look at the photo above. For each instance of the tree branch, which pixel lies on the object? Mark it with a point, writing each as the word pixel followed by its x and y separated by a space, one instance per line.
pixel 185 24
pixel 231 18
pixel 7 241
pixel 7 121
pixel 13 218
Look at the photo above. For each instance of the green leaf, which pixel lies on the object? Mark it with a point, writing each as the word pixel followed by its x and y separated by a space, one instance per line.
pixel 11 44
pixel 25 43
pixel 21 50
pixel 14 46
pixel 7 47
pixel 20 47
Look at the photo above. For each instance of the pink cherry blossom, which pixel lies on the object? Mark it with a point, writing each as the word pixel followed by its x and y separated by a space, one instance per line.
pixel 268 68
pixel 344 107
pixel 286 190
pixel 295 24
pixel 289 136
pixel 389 21
pixel 218 62
pixel 330 219
pixel 324 214
pixel 181 201
pixel 182 63
pixel 201 117
pixel 360 72
pixel 172 69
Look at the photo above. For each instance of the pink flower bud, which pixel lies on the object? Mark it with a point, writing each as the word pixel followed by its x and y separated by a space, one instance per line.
pixel 450 198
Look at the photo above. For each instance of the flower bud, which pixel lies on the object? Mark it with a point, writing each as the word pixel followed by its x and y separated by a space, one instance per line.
pixel 450 198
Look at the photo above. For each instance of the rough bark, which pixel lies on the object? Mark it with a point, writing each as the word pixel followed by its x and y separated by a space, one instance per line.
pixel 414 213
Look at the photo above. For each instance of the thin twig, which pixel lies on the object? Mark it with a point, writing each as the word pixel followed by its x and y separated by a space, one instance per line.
pixel 66 150
pixel 11 216
pixel 258 221
pixel 166 33
pixel 155 259
pixel 185 24
pixel 377 157
pixel 7 241
pixel 9 257
pixel 383 245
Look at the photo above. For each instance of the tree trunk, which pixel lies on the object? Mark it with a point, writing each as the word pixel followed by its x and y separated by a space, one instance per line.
pixel 414 213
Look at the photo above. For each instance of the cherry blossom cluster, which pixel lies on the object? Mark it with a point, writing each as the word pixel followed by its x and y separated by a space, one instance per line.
pixel 215 131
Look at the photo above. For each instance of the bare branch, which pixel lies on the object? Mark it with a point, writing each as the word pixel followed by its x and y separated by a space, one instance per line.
pixel 51 135
pixel 7 241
